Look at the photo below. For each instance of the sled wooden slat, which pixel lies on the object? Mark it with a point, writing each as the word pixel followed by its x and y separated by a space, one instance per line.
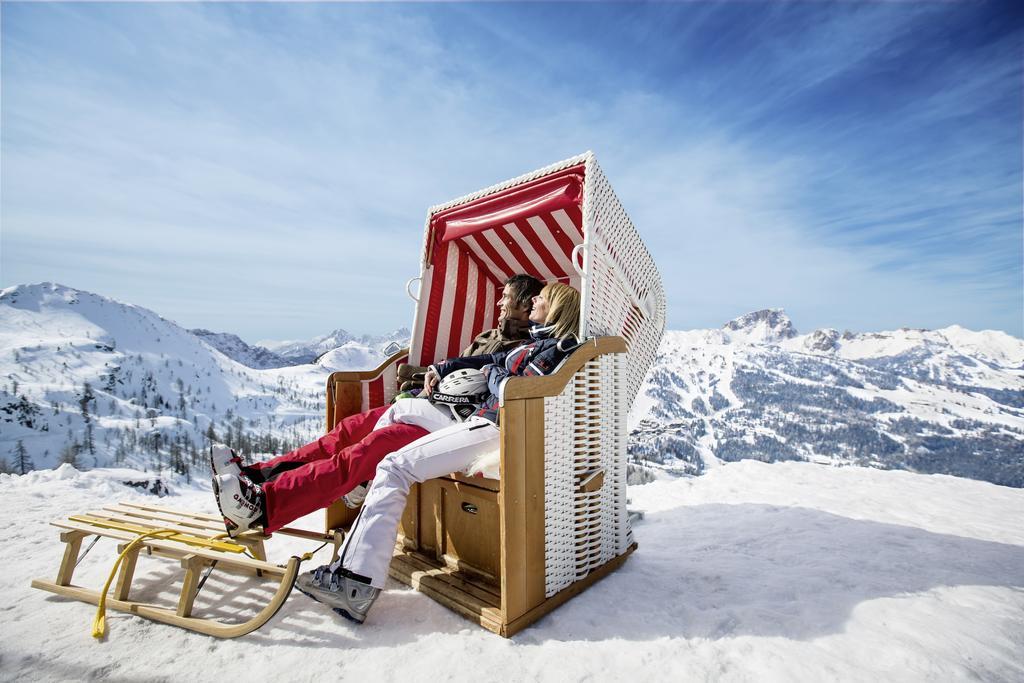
pixel 199 525
pixel 190 515
pixel 184 534
pixel 143 522
pixel 170 545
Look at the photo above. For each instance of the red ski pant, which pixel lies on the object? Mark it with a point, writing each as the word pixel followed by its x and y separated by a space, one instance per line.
pixel 321 472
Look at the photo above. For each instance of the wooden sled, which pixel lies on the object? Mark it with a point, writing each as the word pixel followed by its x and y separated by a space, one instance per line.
pixel 196 544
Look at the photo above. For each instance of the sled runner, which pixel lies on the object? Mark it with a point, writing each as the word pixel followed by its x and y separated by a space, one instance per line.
pixel 505 552
pixel 194 540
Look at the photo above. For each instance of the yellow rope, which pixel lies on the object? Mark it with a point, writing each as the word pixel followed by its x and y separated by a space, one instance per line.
pixel 99 624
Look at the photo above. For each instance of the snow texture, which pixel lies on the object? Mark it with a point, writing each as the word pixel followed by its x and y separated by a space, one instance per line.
pixel 754 572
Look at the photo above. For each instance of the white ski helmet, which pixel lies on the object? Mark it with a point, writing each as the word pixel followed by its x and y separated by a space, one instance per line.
pixel 462 391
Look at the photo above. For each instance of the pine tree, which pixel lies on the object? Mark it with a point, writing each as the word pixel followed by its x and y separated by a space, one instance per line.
pixel 83 403
pixel 27 411
pixel 211 435
pixel 22 463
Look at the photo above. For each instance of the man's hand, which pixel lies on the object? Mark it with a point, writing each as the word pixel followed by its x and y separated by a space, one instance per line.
pixel 429 380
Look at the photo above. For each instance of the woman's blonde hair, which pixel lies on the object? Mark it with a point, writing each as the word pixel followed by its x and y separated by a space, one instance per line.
pixel 563 309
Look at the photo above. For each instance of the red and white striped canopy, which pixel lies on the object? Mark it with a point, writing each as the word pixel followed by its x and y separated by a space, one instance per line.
pixel 472 248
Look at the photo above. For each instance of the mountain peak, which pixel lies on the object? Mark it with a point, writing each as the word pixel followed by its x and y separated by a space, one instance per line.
pixel 761 327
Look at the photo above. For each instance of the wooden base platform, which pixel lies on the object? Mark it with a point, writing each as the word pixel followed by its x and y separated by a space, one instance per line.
pixel 480 601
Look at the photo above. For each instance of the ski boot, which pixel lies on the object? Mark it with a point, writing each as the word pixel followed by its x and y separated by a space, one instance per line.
pixel 348 594
pixel 240 501
pixel 224 461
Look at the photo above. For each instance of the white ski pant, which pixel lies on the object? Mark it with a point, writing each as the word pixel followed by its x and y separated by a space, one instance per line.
pixel 450 447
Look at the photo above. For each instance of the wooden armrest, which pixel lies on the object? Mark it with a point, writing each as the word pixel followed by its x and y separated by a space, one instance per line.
pixel 552 385
pixel 344 392
pixel 360 375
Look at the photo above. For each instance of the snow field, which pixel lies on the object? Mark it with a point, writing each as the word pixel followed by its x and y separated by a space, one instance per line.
pixel 782 572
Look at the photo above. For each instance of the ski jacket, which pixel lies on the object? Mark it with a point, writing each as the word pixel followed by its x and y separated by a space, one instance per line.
pixel 509 334
pixel 541 355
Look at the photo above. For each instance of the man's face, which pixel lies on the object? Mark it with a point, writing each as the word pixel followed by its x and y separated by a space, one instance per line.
pixel 507 306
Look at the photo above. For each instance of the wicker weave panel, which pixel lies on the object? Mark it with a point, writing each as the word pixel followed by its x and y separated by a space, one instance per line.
pixel 584 434
pixel 559 486
pixel 622 292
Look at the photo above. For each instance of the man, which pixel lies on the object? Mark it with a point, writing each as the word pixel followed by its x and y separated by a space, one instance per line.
pixel 513 327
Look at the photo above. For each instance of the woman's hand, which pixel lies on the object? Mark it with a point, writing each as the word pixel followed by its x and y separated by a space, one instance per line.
pixel 429 380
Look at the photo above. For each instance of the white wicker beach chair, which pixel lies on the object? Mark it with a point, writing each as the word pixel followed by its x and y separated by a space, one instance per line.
pixel 504 553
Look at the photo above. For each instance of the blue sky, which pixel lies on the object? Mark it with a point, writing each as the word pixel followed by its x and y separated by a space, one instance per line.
pixel 265 169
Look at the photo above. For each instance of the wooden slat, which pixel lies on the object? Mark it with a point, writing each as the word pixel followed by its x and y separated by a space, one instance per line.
pixel 164 544
pixel 144 522
pixel 512 501
pixel 436 588
pixel 182 519
pixel 197 516
pixel 476 592
pixel 467 580
pixel 136 528
pixel 181 513
pixel 534 504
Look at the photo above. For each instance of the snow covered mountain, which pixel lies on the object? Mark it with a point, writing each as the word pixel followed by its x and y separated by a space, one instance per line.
pixel 232 346
pixel 338 350
pixel 949 400
pixel 298 352
pixel 96 382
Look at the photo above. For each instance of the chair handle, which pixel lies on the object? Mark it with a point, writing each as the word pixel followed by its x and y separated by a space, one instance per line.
pixel 409 284
pixel 575 252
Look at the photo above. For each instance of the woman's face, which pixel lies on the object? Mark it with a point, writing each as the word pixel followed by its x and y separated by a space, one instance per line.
pixel 539 310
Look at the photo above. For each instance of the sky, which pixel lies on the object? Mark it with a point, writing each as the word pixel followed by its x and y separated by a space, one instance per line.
pixel 266 169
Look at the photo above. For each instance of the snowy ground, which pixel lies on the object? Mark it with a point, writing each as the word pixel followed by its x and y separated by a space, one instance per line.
pixel 781 572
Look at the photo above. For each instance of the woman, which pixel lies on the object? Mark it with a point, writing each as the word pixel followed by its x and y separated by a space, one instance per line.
pixel 274 493
pixel 353 582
